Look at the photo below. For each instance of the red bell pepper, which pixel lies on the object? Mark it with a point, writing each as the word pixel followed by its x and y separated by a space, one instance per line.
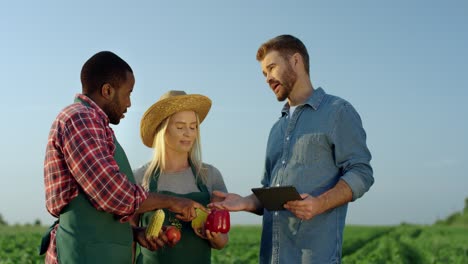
pixel 218 221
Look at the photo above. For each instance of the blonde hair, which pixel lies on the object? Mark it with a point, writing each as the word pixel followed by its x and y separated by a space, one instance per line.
pixel 158 162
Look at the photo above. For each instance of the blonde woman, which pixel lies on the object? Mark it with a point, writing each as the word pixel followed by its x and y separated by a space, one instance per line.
pixel 171 128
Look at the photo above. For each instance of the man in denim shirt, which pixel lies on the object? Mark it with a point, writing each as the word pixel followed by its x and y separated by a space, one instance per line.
pixel 319 146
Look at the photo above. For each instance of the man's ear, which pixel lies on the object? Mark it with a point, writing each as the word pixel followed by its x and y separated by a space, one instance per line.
pixel 107 91
pixel 296 60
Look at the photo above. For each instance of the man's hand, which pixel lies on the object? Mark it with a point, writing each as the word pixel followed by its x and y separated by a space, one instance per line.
pixel 234 202
pixel 306 208
pixel 155 243
pixel 227 201
pixel 311 206
pixel 185 208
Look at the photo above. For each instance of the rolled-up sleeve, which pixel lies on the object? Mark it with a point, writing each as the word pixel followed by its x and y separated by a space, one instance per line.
pixel 351 153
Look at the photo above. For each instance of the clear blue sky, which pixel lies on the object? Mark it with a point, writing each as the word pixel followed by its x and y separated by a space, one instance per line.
pixel 402 64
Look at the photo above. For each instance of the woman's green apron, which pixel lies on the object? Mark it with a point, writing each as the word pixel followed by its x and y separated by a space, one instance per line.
pixel 191 248
pixel 86 235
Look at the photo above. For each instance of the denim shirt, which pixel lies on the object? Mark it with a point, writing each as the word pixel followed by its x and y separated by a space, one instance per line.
pixel 322 142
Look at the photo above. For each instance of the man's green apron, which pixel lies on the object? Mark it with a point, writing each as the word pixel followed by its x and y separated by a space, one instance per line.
pixel 191 248
pixel 86 235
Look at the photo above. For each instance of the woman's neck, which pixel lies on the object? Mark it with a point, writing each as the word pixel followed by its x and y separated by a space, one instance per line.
pixel 176 162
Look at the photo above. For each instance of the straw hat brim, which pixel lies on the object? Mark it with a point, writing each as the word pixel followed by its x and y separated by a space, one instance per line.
pixel 164 108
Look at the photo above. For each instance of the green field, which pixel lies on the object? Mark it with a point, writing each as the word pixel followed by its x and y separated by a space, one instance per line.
pixel 19 244
pixel 362 244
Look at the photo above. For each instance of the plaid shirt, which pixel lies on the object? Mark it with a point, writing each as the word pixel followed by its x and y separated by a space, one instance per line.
pixel 80 156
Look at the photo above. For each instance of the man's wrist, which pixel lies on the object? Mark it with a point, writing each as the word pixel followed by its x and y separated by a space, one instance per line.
pixel 324 203
pixel 252 204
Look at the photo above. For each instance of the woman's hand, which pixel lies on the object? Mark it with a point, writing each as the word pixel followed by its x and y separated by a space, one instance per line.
pixel 217 240
pixel 153 243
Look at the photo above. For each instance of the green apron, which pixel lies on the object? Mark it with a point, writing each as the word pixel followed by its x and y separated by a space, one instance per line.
pixel 86 235
pixel 191 248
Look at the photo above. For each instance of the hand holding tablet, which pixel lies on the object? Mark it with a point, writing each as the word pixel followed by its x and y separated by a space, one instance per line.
pixel 273 198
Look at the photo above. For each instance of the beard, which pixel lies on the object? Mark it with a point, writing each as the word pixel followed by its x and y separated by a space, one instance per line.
pixel 113 111
pixel 287 81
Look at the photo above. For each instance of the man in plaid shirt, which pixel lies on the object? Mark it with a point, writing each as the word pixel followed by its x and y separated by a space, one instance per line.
pixel 89 185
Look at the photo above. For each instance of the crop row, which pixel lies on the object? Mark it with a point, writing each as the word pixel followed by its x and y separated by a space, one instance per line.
pixel 362 244
pixel 414 244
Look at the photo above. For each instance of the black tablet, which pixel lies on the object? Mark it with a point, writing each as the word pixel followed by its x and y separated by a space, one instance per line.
pixel 273 198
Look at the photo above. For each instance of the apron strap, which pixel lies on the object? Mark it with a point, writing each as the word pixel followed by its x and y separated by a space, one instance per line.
pixel 46 239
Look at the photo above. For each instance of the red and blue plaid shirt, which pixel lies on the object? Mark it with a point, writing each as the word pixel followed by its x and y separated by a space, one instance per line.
pixel 80 156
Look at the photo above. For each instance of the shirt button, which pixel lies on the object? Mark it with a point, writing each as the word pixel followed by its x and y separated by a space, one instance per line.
pixel 276 213
pixel 287 138
pixel 283 162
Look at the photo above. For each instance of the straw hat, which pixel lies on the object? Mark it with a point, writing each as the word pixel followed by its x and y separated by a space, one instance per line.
pixel 169 104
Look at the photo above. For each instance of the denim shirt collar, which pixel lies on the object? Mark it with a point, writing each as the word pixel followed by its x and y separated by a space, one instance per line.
pixel 313 101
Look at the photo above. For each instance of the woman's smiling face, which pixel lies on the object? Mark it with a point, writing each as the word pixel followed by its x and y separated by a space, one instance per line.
pixel 181 131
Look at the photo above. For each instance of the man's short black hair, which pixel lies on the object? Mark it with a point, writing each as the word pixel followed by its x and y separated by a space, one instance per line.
pixel 103 67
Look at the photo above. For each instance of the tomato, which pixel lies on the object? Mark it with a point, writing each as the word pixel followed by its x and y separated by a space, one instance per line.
pixel 173 234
